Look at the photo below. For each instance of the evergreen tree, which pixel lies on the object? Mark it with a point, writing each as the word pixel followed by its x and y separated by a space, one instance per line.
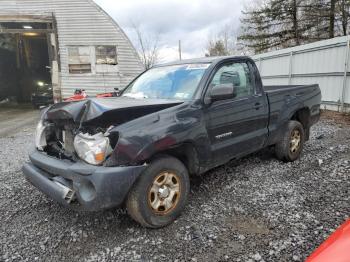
pixel 279 24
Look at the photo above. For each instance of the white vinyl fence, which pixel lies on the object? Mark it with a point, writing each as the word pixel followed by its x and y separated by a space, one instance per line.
pixel 325 63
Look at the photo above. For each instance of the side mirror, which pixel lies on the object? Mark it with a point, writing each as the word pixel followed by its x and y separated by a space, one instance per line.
pixel 222 92
pixel 117 91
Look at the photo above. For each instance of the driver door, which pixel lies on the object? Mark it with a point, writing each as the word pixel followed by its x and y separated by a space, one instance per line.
pixel 239 125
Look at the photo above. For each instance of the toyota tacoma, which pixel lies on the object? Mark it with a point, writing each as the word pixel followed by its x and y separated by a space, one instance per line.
pixel 174 120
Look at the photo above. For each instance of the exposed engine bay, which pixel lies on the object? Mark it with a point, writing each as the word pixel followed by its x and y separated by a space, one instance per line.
pixel 86 129
pixel 63 139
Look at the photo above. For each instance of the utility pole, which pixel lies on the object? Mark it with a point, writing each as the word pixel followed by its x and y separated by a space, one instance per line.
pixel 180 50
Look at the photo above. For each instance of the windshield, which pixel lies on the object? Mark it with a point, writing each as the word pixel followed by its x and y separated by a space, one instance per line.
pixel 168 82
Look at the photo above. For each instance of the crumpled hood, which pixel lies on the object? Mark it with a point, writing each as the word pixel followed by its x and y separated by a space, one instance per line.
pixel 112 110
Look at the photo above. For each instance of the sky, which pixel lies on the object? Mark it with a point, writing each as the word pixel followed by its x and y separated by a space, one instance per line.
pixel 191 21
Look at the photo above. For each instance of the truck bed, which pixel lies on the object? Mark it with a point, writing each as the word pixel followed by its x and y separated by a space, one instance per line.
pixel 284 99
pixel 292 95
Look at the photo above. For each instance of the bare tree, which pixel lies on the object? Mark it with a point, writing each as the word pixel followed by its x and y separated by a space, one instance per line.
pixel 344 16
pixel 332 18
pixel 148 46
pixel 223 42
pixel 216 48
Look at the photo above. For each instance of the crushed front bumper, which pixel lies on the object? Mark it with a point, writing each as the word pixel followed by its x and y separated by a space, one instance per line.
pixel 80 185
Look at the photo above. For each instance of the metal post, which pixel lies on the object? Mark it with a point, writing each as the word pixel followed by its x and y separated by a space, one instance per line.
pixel 56 63
pixel 290 73
pixel 345 75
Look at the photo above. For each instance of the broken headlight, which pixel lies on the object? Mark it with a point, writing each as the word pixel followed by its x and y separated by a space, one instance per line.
pixel 40 136
pixel 92 149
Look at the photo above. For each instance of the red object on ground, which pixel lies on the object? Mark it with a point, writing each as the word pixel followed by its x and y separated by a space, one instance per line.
pixel 78 95
pixel 75 98
pixel 106 95
pixel 110 94
pixel 336 248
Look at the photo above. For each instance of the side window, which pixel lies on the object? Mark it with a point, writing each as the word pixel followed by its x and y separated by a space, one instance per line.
pixel 106 55
pixel 238 74
pixel 79 60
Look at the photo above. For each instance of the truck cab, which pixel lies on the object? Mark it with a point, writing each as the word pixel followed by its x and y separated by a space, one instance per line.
pixel 237 123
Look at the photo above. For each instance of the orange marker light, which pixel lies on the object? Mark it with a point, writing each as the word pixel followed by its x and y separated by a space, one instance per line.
pixel 99 157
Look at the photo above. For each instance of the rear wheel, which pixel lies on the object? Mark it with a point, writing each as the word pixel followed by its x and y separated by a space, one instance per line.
pixel 292 142
pixel 160 193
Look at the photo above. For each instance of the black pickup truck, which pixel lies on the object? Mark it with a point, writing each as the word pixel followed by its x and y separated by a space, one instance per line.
pixel 172 121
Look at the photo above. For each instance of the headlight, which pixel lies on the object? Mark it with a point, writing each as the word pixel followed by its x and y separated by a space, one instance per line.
pixel 40 136
pixel 92 149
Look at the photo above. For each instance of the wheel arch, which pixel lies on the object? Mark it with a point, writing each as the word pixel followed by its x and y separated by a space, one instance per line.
pixel 302 115
pixel 186 152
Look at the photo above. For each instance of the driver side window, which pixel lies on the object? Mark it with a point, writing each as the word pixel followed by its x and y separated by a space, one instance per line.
pixel 237 74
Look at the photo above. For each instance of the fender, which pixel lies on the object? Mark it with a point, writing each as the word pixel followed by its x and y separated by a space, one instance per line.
pixel 142 138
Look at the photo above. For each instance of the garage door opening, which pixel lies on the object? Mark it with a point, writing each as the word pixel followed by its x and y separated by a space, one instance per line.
pixel 25 75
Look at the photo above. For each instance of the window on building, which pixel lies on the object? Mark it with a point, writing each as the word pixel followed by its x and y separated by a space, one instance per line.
pixel 79 60
pixel 106 55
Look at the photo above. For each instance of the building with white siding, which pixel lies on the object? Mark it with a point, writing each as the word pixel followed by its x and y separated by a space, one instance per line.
pixel 69 44
pixel 324 62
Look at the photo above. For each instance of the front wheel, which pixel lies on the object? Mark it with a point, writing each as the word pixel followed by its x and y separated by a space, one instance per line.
pixel 160 193
pixel 292 141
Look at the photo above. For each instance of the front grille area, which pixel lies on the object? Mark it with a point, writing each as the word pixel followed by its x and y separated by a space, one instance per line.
pixel 60 142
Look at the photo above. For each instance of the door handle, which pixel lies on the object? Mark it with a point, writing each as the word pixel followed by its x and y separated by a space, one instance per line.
pixel 257 106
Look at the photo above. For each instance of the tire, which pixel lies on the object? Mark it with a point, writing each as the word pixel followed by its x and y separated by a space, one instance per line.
pixel 164 183
pixel 286 149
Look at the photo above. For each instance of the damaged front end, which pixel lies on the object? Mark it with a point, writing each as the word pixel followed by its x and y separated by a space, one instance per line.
pixel 61 133
pixel 81 130
pixel 66 140
pixel 63 145
pixel 80 148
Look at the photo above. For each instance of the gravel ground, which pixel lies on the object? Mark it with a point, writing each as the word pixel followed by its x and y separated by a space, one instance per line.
pixel 254 209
